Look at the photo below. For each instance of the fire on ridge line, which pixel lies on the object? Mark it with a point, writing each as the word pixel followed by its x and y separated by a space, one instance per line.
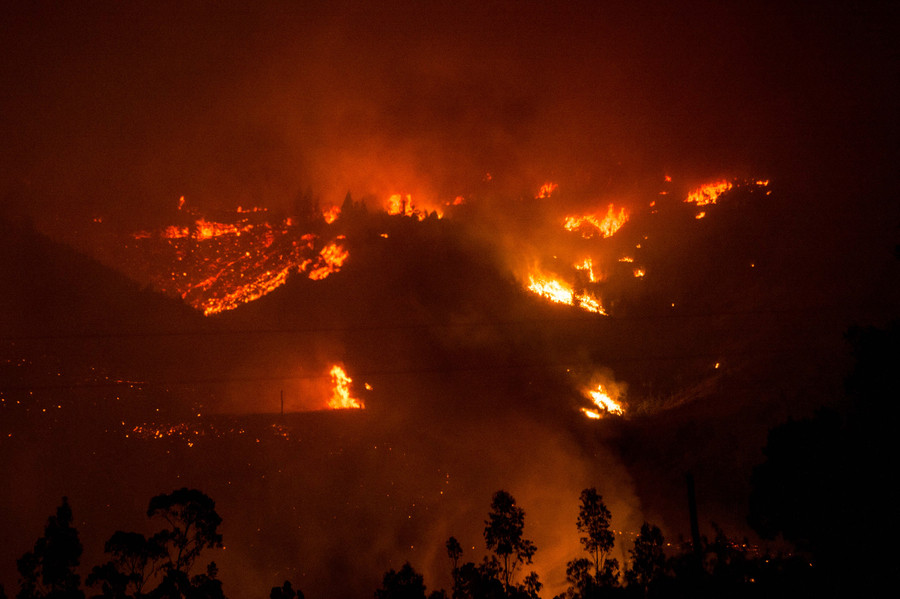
pixel 219 266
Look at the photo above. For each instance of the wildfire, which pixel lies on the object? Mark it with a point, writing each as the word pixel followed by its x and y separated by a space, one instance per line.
pixel 340 396
pixel 606 224
pixel 546 190
pixel 587 266
pixel 603 403
pixel 218 266
pixel 244 293
pixel 331 258
pixel 399 204
pixel 331 214
pixel 709 193
pixel 209 229
pixel 557 291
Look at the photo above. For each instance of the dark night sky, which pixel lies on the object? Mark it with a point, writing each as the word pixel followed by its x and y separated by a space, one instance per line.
pixel 118 109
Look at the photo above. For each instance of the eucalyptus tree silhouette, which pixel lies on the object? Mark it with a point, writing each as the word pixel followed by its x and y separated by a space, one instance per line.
pixel 503 532
pixel 48 571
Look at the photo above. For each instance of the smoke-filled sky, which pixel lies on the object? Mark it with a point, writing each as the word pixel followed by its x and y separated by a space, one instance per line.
pixel 124 107
pixel 110 112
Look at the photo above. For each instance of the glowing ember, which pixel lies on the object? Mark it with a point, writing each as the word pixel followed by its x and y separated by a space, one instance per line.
pixel 547 189
pixel 709 193
pixel 557 291
pixel 218 266
pixel 639 272
pixel 242 294
pixel 606 224
pixel 340 397
pixel 173 232
pixel 603 402
pixel 208 229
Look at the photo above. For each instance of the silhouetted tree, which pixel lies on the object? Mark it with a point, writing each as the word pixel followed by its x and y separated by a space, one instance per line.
pixel 48 571
pixel 193 526
pixel 480 581
pixel 135 560
pixel 823 485
pixel 405 584
pixel 593 522
pixel 503 532
pixel 648 559
pixel 285 591
pixel 532 586
pixel 454 552
pixel 207 585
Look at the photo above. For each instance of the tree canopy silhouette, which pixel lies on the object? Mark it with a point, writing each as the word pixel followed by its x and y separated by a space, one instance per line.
pixel 648 558
pixel 48 571
pixel 593 522
pixel 192 526
pixel 503 532
pixel 403 584
pixel 824 485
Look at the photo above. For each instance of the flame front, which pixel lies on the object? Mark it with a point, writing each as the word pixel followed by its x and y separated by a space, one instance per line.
pixel 399 204
pixel 709 193
pixel 218 266
pixel 332 257
pixel 604 223
pixel 340 396
pixel 603 402
pixel 557 291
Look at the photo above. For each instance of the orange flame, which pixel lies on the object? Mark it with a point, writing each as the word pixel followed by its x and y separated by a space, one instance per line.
pixel 606 224
pixel 399 204
pixel 209 229
pixel 709 193
pixel 603 403
pixel 173 232
pixel 331 258
pixel 547 189
pixel 587 266
pixel 340 396
pixel 558 292
pixel 242 294
pixel 331 214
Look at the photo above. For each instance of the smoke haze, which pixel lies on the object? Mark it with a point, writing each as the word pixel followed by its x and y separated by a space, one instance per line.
pixel 112 112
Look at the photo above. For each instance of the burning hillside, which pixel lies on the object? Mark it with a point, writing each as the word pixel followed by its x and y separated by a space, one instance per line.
pixel 218 265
